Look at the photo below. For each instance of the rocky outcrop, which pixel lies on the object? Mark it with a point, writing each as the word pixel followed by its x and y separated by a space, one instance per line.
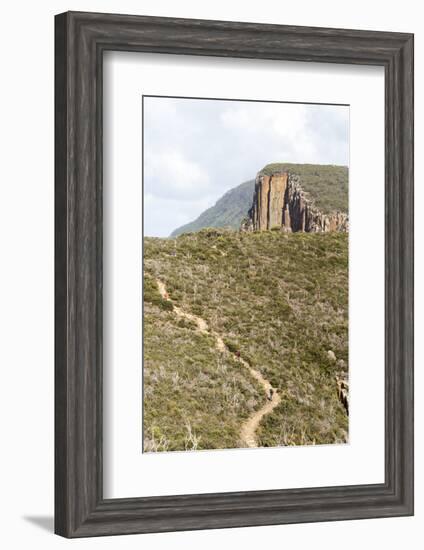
pixel 280 201
pixel 343 392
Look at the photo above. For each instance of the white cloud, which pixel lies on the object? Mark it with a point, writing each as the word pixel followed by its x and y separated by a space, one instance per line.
pixel 170 174
pixel 278 118
pixel 158 222
pixel 286 129
pixel 195 150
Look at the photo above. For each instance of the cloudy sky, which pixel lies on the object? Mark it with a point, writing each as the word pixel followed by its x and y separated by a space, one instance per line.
pixel 195 150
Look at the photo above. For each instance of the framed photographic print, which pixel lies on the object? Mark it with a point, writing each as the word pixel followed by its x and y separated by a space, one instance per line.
pixel 234 274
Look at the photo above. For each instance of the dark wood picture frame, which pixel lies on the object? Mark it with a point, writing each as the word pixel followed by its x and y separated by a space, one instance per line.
pixel 80 40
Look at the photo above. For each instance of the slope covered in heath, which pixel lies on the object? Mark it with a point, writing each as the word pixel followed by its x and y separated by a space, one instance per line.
pixel 277 300
pixel 228 211
pixel 194 396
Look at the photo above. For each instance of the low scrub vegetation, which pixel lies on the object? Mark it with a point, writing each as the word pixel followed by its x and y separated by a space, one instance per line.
pixel 280 301
pixel 194 397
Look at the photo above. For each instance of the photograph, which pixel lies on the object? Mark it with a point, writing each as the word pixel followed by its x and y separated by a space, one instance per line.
pixel 245 274
pixel 209 266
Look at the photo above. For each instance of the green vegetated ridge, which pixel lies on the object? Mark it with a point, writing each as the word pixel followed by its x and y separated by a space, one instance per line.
pixel 228 211
pixel 327 185
pixel 278 299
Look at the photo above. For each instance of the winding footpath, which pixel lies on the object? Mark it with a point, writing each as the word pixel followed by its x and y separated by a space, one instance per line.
pixel 249 427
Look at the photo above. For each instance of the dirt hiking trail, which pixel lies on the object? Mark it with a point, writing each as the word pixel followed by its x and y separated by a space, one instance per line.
pixel 249 427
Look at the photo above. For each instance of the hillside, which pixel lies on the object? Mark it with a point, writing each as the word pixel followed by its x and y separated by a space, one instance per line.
pixel 327 185
pixel 277 300
pixel 228 211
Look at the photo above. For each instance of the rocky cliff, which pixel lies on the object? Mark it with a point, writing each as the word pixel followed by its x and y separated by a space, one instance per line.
pixel 280 201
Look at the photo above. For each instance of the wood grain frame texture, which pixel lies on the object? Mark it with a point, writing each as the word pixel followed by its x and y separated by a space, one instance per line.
pixel 80 40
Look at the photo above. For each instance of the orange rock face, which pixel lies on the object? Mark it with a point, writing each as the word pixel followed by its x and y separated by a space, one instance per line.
pixel 268 201
pixel 277 191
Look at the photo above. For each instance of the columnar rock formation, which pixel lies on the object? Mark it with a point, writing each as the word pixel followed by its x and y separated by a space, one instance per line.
pixel 279 201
